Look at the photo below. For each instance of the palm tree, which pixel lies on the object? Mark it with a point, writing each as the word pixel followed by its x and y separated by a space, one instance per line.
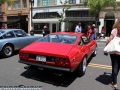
pixel 98 5
pixel 7 1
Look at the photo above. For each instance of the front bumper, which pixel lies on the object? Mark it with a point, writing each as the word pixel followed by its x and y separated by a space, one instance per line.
pixel 45 66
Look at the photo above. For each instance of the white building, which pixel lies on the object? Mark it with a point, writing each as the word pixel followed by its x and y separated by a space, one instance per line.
pixel 44 10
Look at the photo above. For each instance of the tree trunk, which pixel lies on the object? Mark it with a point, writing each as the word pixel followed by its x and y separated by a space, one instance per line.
pixel 97 23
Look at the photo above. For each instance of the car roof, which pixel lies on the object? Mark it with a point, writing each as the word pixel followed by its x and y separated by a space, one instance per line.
pixel 70 33
pixel 9 29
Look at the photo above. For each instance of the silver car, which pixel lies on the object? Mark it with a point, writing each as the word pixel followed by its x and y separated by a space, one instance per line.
pixel 14 39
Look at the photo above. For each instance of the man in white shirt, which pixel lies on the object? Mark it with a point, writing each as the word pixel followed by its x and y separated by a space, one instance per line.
pixel 78 28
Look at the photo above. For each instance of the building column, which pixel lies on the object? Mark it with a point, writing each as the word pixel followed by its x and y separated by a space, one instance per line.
pixel 116 19
pixel 62 26
pixel 29 24
pixel 101 24
pixel 50 27
pixel 4 18
pixel 57 27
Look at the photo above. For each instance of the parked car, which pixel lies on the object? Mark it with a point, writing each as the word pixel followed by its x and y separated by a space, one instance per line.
pixel 14 39
pixel 61 51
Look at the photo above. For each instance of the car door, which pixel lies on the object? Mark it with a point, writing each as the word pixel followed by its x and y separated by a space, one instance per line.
pixel 9 37
pixel 30 38
pixel 87 45
pixel 22 40
pixel 80 47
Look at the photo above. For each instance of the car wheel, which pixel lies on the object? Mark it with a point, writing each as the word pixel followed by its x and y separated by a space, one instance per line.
pixel 82 67
pixel 7 51
pixel 95 52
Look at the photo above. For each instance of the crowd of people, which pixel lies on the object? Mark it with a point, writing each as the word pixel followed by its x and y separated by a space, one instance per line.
pixel 91 31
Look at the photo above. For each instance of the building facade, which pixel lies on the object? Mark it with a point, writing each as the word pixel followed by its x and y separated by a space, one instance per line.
pixel 2 11
pixel 43 11
pixel 108 17
pixel 17 15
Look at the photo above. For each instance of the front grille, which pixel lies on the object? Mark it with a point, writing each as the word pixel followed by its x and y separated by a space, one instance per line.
pixel 48 58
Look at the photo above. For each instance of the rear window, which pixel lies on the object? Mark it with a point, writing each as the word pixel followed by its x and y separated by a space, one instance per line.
pixel 59 38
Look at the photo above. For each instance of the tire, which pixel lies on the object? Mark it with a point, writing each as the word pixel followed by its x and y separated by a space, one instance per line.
pixel 95 52
pixel 82 67
pixel 7 50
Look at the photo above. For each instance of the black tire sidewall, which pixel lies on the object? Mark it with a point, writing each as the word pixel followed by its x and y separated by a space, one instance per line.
pixel 80 71
pixel 3 54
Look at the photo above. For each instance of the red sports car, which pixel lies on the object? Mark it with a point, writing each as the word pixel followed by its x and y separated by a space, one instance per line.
pixel 61 51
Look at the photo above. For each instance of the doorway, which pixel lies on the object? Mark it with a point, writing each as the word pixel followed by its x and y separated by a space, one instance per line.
pixel 109 25
pixel 108 22
pixel 54 27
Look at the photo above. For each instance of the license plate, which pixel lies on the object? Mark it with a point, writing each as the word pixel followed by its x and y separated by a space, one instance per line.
pixel 41 58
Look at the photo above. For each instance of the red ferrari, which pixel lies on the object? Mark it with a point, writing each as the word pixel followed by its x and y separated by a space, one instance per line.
pixel 61 51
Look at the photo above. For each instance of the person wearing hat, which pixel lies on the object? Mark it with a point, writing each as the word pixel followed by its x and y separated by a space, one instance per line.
pixel 45 31
pixel 93 32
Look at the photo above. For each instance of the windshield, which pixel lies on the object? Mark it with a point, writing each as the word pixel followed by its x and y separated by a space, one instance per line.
pixel 1 32
pixel 59 38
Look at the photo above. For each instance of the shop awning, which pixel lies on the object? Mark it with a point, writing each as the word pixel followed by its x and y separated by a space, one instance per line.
pixel 79 19
pixel 54 20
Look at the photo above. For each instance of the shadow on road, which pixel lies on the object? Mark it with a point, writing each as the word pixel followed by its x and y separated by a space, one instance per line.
pixel 63 80
pixel 105 78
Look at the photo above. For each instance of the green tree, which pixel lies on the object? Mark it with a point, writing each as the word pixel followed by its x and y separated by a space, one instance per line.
pixel 98 5
pixel 7 1
pixel 64 9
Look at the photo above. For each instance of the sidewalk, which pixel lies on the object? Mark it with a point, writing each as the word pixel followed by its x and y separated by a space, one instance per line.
pixel 102 39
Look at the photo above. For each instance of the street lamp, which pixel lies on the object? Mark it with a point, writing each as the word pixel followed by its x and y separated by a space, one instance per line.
pixel 19 14
pixel 32 4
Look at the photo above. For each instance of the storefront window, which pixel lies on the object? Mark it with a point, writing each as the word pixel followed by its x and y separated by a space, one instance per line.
pixel 9 6
pixel 81 1
pixel 46 2
pixel 24 3
pixel 77 14
pixel 38 2
pixel 72 1
pixel 55 2
pixel 39 26
pixel 17 4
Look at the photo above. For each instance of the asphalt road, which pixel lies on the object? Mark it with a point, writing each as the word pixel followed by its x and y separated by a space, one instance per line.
pixel 97 76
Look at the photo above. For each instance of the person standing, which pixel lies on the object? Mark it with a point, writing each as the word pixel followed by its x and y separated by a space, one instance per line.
pixel 115 62
pixel 6 26
pixel 78 28
pixel 45 31
pixel 89 32
pixel 93 32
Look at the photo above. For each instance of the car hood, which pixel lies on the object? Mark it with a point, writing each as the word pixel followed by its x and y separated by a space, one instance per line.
pixel 48 48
